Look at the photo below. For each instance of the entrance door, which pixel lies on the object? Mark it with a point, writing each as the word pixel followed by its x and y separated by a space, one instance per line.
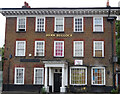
pixel 57 81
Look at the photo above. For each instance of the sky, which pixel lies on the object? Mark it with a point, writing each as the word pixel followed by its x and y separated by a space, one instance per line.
pixel 48 3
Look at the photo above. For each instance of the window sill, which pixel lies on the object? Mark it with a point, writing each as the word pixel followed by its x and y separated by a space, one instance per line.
pixel 79 32
pixel 97 85
pixel 78 56
pixel 58 57
pixel 20 31
pixel 78 85
pixel 20 56
pixel 39 31
pixel 98 31
pixel 39 56
pixel 59 32
pixel 98 57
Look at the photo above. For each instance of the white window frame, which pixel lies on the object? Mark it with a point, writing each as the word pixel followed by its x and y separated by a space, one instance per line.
pixel 18 23
pixel 94 48
pixel 82 49
pixel 94 24
pixel 37 21
pixel 15 75
pixel 80 67
pixel 43 47
pixel 17 47
pixel 42 76
pixel 55 24
pixel 82 23
pixel 55 49
pixel 92 75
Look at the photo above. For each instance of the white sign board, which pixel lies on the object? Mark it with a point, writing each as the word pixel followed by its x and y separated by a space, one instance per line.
pixel 78 62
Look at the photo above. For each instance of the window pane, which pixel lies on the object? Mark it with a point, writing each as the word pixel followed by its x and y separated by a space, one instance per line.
pixel 78 48
pixel 39 48
pixel 38 75
pixel 59 48
pixel 98 24
pixel 19 76
pixel 21 24
pixel 98 48
pixel 20 48
pixel 59 24
pixel 98 76
pixel 78 76
pixel 40 24
pixel 78 24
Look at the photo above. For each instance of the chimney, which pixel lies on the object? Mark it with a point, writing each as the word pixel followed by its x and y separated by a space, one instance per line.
pixel 26 5
pixel 107 5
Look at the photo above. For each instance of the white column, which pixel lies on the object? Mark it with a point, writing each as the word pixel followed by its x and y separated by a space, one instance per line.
pixel 66 76
pixel 46 87
pixel 50 78
pixel 62 89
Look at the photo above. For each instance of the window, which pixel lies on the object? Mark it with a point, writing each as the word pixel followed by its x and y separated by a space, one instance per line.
pixel 19 75
pixel 21 24
pixel 40 24
pixel 39 48
pixel 98 48
pixel 59 24
pixel 78 24
pixel 59 48
pixel 20 48
pixel 98 24
pixel 78 75
pixel 78 49
pixel 98 76
pixel 38 75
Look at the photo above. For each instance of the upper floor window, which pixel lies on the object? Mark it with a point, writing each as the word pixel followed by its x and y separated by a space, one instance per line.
pixel 39 48
pixel 38 75
pixel 78 75
pixel 20 48
pixel 98 48
pixel 40 24
pixel 78 49
pixel 78 24
pixel 59 48
pixel 19 75
pixel 21 24
pixel 98 75
pixel 98 24
pixel 59 24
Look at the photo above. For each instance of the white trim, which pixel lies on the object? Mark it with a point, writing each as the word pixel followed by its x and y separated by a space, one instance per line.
pixel 82 49
pixel 42 45
pixel 39 17
pixel 55 23
pixel 42 76
pixel 82 23
pixel 94 48
pixel 20 17
pixel 17 47
pixel 80 67
pixel 15 75
pixel 94 24
pixel 55 49
pixel 92 75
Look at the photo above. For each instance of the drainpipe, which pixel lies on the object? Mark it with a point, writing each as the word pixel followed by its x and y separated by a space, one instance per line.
pixel 111 19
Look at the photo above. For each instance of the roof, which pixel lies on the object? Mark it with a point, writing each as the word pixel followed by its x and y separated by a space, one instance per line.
pixel 60 11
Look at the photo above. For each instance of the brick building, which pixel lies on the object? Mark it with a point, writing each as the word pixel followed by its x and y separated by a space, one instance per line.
pixel 60 49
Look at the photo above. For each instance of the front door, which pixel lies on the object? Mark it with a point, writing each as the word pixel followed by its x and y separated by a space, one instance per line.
pixel 57 81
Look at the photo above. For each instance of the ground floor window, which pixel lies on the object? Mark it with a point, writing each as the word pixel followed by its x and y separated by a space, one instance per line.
pixel 38 75
pixel 19 75
pixel 98 75
pixel 78 75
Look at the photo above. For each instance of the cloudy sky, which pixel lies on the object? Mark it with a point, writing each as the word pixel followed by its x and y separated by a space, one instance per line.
pixel 49 3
